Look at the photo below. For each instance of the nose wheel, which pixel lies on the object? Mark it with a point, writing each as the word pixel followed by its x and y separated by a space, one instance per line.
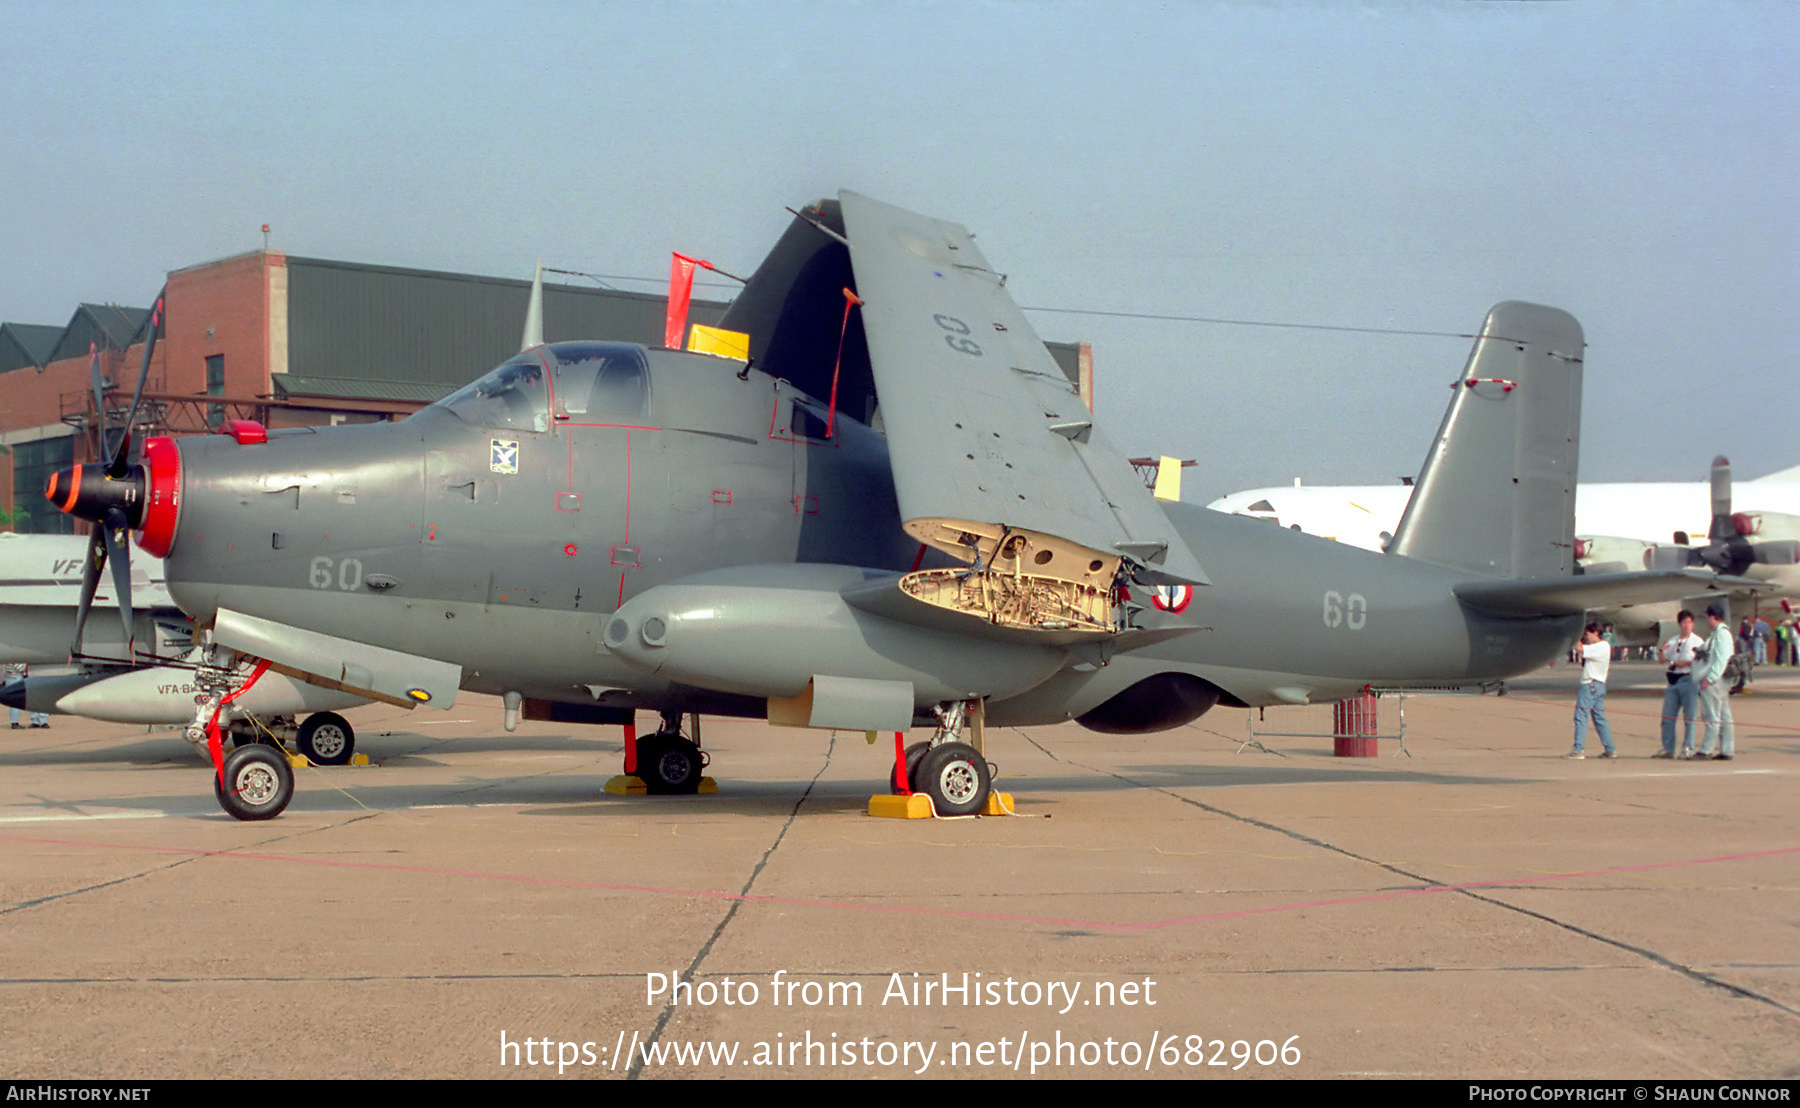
pixel 256 784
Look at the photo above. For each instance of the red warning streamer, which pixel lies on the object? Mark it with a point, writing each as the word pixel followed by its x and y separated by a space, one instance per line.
pixel 215 745
pixel 681 289
pixel 900 773
pixel 850 301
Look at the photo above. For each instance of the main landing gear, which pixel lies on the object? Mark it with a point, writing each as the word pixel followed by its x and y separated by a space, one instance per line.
pixel 667 763
pixel 956 777
pixel 953 774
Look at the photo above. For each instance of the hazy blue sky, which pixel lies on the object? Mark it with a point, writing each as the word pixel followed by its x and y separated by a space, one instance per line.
pixel 1390 165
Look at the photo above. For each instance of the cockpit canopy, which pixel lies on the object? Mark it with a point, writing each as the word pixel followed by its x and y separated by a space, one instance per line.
pixel 564 382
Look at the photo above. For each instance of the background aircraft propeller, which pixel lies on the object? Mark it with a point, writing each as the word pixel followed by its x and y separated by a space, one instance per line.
pixel 1728 548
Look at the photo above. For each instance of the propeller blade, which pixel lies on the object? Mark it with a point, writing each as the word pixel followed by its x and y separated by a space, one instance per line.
pixel 1721 500
pixel 99 396
pixel 1670 557
pixel 123 457
pixel 1782 552
pixel 90 581
pixel 117 536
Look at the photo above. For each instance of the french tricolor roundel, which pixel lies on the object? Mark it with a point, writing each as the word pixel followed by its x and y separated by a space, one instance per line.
pixel 1171 598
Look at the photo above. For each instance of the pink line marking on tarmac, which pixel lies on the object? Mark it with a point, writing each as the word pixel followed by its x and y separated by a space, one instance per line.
pixel 902 909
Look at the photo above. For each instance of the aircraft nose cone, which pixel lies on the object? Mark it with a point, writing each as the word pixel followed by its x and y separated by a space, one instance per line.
pixel 87 492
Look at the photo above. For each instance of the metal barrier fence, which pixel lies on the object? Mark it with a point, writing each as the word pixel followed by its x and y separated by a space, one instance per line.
pixel 1355 722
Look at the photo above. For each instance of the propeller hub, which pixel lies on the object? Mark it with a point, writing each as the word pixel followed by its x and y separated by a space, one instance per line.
pixel 145 498
pixel 89 492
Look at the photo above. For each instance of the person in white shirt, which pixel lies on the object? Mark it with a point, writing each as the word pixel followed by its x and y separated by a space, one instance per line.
pixel 1590 698
pixel 1683 694
pixel 1715 696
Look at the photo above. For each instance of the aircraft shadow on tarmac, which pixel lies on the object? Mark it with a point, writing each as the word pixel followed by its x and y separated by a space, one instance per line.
pixel 393 748
pixel 1170 777
pixel 167 749
pixel 575 794
pixel 578 794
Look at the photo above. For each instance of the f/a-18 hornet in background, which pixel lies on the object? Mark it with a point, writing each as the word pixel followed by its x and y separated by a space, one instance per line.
pixel 895 512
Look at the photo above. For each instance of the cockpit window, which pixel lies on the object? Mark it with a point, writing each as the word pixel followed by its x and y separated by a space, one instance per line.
pixel 600 382
pixel 1261 506
pixel 512 397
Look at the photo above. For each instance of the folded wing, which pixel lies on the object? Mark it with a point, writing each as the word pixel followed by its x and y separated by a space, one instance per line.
pixel 995 458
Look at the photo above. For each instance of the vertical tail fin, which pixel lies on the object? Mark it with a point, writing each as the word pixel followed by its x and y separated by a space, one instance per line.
pixel 1497 492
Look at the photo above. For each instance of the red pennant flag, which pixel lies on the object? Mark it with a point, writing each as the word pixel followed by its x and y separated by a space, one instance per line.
pixel 681 288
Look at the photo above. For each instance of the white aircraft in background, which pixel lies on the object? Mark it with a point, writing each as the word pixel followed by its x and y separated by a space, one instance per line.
pixel 40 583
pixel 40 586
pixel 1649 525
pixel 1652 513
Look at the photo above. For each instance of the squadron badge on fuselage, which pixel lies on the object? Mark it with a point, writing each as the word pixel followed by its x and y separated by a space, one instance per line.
pixel 504 457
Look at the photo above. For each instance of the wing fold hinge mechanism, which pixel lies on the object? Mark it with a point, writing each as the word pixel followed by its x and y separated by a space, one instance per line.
pixel 1018 579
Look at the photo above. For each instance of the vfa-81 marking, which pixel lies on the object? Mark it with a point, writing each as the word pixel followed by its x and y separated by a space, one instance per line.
pixel 897 512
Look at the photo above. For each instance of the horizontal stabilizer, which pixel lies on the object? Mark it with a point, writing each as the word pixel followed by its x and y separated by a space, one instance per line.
pixel 1549 596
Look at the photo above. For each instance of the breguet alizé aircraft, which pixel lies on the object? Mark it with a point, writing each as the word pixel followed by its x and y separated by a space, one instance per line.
pixel 896 511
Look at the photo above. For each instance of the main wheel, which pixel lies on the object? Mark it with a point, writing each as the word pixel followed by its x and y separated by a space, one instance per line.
pixel 914 753
pixel 669 765
pixel 327 739
pixel 258 783
pixel 956 778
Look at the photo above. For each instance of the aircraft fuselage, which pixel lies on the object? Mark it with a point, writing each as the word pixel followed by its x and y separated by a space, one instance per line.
pixel 505 548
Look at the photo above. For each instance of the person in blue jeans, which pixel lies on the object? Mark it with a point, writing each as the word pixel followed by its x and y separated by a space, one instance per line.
pixel 1590 698
pixel 1682 697
pixel 1717 741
